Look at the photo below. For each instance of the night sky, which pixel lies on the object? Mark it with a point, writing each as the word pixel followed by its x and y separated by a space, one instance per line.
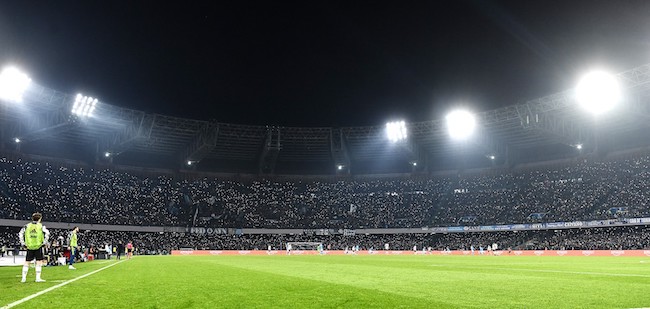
pixel 319 63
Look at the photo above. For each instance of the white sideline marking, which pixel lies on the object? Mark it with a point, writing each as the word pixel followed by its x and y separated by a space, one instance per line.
pixel 18 302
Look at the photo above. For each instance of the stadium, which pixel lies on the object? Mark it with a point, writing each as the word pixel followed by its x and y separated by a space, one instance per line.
pixel 541 203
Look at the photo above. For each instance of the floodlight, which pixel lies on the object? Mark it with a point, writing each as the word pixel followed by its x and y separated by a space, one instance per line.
pixel 396 131
pixel 13 84
pixel 339 167
pixel 84 106
pixel 107 154
pixel 579 146
pixel 17 140
pixel 415 164
pixel 189 163
pixel 460 124
pixel 492 157
pixel 598 92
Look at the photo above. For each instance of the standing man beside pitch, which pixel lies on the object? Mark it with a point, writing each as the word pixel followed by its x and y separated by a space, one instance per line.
pixel 129 250
pixel 72 245
pixel 34 236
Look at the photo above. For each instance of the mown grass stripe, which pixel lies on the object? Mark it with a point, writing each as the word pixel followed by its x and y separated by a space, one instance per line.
pixel 18 302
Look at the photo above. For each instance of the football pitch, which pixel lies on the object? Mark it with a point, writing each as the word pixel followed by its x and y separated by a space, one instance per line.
pixel 337 282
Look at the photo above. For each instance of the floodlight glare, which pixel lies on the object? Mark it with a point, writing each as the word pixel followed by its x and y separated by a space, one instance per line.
pixel 492 157
pixel 107 154
pixel 460 124
pixel 598 92
pixel 415 164
pixel 17 140
pixel 13 84
pixel 339 167
pixel 84 106
pixel 396 131
pixel 189 163
pixel 579 146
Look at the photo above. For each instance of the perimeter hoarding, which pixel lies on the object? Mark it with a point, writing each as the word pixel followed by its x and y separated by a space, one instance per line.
pixel 630 253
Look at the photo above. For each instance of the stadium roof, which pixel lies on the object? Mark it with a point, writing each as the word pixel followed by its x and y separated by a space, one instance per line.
pixel 543 128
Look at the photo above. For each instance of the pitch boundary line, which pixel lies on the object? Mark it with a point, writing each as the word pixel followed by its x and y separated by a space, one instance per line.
pixel 18 302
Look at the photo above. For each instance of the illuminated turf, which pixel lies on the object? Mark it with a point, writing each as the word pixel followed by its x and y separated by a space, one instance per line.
pixel 341 281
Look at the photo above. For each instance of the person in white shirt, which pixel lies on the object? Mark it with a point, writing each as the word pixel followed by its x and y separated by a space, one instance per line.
pixel 109 251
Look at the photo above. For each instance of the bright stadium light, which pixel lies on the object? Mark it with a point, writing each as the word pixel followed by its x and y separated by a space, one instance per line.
pixel 339 167
pixel 460 124
pixel 13 84
pixel 396 131
pixel 598 92
pixel 189 163
pixel 107 154
pixel 84 106
pixel 492 157
pixel 579 146
pixel 17 140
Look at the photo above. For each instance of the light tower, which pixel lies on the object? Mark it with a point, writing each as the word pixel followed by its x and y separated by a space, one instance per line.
pixel 84 106
pixel 13 84
pixel 598 92
pixel 460 125
pixel 396 131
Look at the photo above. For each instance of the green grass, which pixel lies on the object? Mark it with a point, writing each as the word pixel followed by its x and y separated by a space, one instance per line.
pixel 342 282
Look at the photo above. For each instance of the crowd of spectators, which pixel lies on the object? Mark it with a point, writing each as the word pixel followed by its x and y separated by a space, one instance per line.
pixel 83 196
pixel 579 191
pixel 606 238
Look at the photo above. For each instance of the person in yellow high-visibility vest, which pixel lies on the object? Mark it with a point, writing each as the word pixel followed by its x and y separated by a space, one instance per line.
pixel 34 236
pixel 73 246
